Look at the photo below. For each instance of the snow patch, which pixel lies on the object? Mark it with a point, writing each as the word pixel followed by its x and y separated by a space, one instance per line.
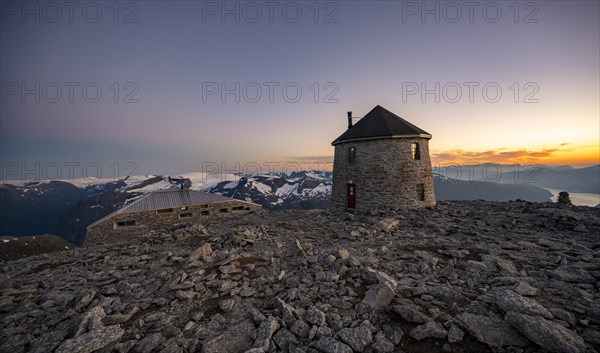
pixel 132 199
pixel 262 188
pixel 231 185
pixel 202 181
pixel 161 185
pixel 286 189
pixel 322 188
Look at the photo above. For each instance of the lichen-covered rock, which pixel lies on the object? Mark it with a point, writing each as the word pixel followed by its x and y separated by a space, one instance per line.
pixel 430 329
pixel 491 331
pixel 92 341
pixel 455 334
pixel 202 251
pixel 329 345
pixel 379 296
pixel 315 316
pixel 549 335
pixel 236 339
pixel 358 338
pixel 508 300
pixel 410 313
pixel 265 331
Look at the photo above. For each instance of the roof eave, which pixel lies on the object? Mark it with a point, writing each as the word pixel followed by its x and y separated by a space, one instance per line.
pixel 425 136
pixel 123 211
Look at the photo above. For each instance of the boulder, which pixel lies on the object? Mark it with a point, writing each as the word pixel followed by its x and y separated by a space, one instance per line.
pixel 492 331
pixel 236 339
pixel 507 300
pixel 410 313
pixel 265 331
pixel 382 344
pixel 455 334
pixel 314 316
pixel 92 341
pixel 448 295
pixel 430 329
pixel 329 345
pixel 525 289
pixel 202 251
pixel 549 335
pixel 573 273
pixel 358 338
pixel 379 296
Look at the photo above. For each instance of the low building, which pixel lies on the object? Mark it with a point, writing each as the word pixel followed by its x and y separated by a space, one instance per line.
pixel 161 209
pixel 382 161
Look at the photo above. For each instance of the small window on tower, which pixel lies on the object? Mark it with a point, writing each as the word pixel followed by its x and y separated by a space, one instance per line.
pixel 352 155
pixel 414 149
pixel 421 192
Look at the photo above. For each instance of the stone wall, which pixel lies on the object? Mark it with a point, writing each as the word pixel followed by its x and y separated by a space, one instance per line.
pixel 384 174
pixel 108 229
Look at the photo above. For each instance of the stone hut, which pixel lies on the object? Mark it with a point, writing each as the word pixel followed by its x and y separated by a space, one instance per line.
pixel 162 209
pixel 382 161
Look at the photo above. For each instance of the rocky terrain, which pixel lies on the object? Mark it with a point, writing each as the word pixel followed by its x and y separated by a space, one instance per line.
pixel 468 276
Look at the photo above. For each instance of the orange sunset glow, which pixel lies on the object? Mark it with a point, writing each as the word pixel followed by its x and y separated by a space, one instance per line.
pixel 557 155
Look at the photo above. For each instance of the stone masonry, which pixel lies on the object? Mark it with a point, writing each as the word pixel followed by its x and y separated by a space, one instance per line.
pixel 384 174
pixel 146 221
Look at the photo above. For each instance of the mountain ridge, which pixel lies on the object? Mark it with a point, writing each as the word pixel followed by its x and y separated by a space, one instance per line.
pixel 90 201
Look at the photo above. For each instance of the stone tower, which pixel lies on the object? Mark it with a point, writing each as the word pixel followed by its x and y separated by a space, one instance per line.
pixel 382 160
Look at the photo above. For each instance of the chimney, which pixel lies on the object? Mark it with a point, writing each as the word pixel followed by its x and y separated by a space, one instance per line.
pixel 349 120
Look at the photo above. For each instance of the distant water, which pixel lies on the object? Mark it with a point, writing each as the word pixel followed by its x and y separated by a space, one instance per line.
pixel 578 198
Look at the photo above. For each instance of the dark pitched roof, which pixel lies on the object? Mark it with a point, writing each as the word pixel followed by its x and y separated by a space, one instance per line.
pixel 168 199
pixel 381 123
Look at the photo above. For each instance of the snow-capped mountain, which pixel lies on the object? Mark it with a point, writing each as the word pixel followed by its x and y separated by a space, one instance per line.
pixel 300 191
pixel 66 209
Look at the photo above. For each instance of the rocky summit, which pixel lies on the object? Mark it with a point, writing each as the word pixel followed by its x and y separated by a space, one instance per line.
pixel 468 276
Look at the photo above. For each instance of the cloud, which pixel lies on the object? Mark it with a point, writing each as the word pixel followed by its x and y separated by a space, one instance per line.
pixel 500 155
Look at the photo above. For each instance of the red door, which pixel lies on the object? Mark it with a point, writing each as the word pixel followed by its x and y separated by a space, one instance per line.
pixel 351 195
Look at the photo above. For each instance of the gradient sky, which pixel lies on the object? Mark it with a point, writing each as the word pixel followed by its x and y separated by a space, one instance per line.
pixel 368 51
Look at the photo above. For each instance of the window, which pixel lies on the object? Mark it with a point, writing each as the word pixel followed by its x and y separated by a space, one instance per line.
pixel 204 206
pixel 352 155
pixel 414 149
pixel 204 213
pixel 421 192
pixel 186 215
pixel 164 210
pixel 223 210
pixel 184 208
pixel 123 224
pixel 247 208
pixel 238 208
